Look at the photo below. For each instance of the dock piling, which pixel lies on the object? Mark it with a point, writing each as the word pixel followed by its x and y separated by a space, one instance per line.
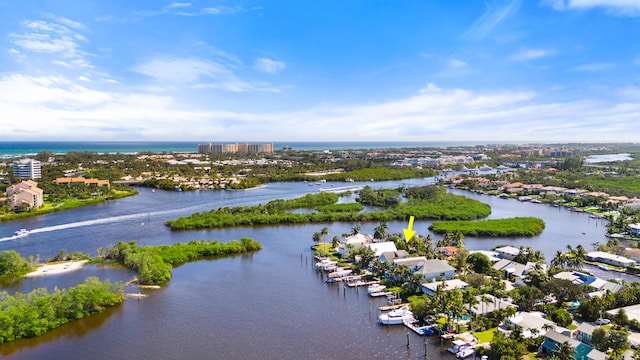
pixel 408 338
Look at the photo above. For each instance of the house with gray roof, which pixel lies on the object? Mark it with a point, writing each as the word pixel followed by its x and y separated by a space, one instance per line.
pixel 553 342
pixel 430 269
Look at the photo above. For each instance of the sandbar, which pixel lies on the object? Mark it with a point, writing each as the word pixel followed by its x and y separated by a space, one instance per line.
pixel 57 268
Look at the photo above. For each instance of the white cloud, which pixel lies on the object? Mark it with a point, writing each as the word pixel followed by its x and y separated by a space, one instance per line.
pixel 494 14
pixel 179 5
pixel 595 67
pixel 613 7
pixel 531 54
pixel 457 64
pixel 70 109
pixel 180 70
pixel 268 65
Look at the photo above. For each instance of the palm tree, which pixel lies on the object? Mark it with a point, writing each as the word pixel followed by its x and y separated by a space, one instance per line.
pixel 560 260
pixel 355 230
pixel 324 232
pixel 381 231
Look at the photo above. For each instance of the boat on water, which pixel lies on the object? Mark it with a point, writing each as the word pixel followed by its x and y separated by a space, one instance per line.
pixel 21 233
pixel 375 288
pixel 465 352
pixel 396 317
pixel 457 346
pixel 603 267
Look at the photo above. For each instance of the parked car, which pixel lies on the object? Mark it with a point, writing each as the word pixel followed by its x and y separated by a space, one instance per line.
pixel 603 321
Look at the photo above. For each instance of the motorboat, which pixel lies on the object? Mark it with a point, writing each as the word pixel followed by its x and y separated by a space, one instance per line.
pixel 375 288
pixel 396 317
pixel 457 346
pixel 465 352
pixel 21 233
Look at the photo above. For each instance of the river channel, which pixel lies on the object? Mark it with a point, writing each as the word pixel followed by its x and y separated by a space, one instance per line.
pixel 267 305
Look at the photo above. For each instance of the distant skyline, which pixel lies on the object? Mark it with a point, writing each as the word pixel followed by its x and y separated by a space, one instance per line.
pixel 548 71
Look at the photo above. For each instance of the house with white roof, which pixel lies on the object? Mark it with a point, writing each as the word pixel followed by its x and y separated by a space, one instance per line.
pixel 357 241
pixel 527 321
pixel 382 247
pixel 507 252
pixel 611 259
pixel 431 288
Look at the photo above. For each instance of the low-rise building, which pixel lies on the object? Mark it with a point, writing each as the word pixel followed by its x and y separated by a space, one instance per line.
pixel 611 259
pixel 430 269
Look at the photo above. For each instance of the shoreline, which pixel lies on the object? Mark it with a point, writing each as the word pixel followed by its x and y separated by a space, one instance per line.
pixel 57 268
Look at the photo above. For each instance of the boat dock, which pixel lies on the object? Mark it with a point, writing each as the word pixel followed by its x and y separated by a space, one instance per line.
pixel 380 293
pixel 392 307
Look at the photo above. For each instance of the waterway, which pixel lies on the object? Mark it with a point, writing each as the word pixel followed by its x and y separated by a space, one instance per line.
pixel 268 305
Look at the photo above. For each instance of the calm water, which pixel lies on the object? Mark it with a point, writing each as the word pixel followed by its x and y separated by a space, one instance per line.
pixel 13 149
pixel 266 305
pixel 594 159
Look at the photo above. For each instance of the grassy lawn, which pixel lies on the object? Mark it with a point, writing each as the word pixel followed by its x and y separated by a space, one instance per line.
pixel 485 336
pixel 572 327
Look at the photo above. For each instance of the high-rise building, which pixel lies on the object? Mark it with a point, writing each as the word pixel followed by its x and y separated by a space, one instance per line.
pixel 27 169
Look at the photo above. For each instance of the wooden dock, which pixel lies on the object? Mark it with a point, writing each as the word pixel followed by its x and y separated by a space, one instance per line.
pixel 380 293
pixel 392 307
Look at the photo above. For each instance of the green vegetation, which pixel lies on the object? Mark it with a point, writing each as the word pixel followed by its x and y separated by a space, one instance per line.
pixel 352 207
pixel 485 336
pixel 24 316
pixel 154 263
pixel 439 205
pixel 66 204
pixel 511 227
pixel 13 265
pixel 381 174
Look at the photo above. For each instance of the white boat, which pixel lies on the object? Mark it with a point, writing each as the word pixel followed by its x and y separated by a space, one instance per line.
pixel 21 233
pixel 375 288
pixel 465 352
pixel 396 317
pixel 457 346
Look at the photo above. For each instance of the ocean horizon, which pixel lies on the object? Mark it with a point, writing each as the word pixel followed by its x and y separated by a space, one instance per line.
pixel 15 149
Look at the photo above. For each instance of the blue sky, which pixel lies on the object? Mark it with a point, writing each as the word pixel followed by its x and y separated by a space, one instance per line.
pixel 323 70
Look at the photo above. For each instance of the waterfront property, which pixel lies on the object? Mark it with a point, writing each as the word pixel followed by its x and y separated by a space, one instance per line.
pixel 431 288
pixel 25 194
pixel 89 181
pixel 611 259
pixel 430 269
pixel 507 252
pixel 595 283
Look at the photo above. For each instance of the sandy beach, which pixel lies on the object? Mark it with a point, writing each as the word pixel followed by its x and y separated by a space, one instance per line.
pixel 57 268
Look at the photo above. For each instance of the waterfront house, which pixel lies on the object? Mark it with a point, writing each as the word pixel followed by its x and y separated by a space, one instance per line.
pixel 611 259
pixel 487 304
pixel 357 241
pixel 430 269
pixel 382 247
pixel 634 229
pixel 86 181
pixel 593 282
pixel 431 288
pixel 528 321
pixel 553 342
pixel 26 193
pixel 507 252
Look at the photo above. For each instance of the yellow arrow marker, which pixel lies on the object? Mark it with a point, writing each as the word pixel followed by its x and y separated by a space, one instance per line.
pixel 408 233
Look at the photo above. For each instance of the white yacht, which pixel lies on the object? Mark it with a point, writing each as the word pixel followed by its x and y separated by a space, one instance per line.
pixel 396 317
pixel 375 288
